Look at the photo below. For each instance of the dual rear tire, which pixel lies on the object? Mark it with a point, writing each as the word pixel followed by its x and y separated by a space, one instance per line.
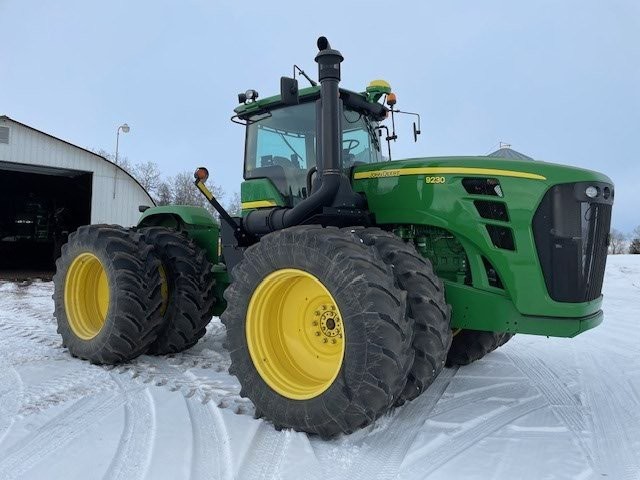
pixel 120 293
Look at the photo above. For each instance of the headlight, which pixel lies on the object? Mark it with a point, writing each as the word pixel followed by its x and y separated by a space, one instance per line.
pixel 591 192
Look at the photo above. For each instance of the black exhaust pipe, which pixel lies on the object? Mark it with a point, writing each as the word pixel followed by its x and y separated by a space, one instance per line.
pixel 330 177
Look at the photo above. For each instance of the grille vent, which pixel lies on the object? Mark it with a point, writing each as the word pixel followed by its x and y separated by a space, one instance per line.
pixel 482 186
pixel 502 237
pixel 492 210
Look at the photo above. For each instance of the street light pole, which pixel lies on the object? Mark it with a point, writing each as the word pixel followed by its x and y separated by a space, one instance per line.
pixel 125 129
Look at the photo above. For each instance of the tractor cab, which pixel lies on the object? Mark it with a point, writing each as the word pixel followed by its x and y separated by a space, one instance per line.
pixel 282 140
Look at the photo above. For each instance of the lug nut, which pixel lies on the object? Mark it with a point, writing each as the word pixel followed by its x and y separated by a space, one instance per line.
pixel 317 334
pixel 333 340
pixel 315 324
pixel 324 340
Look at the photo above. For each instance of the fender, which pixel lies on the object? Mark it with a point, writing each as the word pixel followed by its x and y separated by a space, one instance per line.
pixel 196 222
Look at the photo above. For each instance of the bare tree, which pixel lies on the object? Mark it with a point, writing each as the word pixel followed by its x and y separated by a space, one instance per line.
pixel 617 244
pixel 185 192
pixel 634 246
pixel 148 174
pixel 234 207
pixel 164 195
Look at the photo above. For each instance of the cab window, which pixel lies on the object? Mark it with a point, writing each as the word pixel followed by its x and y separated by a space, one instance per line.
pixel 281 146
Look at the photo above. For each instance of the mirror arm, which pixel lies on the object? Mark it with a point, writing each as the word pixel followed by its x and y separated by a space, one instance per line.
pixel 237 229
pixel 416 131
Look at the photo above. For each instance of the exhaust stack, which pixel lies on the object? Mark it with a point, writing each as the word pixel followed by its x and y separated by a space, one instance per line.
pixel 332 188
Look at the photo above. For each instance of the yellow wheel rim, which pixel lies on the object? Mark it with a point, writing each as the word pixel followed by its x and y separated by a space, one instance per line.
pixel 86 296
pixel 295 334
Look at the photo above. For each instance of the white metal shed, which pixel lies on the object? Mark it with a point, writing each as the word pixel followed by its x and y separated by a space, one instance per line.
pixel 43 178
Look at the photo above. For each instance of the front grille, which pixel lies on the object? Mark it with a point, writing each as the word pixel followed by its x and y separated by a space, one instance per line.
pixel 571 232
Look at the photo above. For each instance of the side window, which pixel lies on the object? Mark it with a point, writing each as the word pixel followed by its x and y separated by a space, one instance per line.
pixel 278 148
pixel 356 147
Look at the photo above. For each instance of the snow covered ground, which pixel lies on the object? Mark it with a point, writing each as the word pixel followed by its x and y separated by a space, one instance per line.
pixel 537 408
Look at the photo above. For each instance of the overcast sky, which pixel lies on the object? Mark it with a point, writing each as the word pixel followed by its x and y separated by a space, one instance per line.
pixel 559 80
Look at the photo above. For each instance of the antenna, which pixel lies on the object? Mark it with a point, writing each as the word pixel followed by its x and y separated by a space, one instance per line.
pixel 312 82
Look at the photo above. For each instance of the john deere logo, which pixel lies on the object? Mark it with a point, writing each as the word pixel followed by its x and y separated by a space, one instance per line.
pixel 385 173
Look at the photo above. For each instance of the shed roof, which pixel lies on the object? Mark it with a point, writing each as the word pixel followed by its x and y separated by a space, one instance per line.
pixel 6 117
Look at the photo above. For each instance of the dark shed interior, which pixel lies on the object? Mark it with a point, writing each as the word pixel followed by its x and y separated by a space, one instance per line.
pixel 39 207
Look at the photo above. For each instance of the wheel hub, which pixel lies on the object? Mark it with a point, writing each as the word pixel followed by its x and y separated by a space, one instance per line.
pixel 330 324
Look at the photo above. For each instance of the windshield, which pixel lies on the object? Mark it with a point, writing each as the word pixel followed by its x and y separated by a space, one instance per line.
pixel 281 146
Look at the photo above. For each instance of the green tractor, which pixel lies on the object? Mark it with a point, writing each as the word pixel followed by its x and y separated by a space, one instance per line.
pixel 349 281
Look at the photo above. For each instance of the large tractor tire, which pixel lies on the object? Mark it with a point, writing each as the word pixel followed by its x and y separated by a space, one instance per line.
pixel 471 345
pixel 317 331
pixel 187 281
pixel 107 294
pixel 426 307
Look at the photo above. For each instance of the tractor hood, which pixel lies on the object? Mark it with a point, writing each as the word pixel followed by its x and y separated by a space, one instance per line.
pixel 460 167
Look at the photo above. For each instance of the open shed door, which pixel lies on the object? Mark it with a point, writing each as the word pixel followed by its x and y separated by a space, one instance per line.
pixel 39 207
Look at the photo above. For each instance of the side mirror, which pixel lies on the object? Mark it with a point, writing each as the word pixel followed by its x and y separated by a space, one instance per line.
pixel 143 208
pixel 416 132
pixel 289 91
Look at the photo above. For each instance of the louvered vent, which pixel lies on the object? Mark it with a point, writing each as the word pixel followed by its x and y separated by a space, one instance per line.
pixel 4 135
pixel 482 186
pixel 502 237
pixel 492 210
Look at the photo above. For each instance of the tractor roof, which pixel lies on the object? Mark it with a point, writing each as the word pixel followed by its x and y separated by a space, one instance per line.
pixel 359 101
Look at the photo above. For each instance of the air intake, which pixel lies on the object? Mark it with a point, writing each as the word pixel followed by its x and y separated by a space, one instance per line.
pixel 492 210
pixel 502 237
pixel 482 186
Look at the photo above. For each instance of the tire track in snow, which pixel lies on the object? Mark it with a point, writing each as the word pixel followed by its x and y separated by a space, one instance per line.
pixel 464 399
pixel 132 458
pixel 163 372
pixel 211 443
pixel 11 398
pixel 81 380
pixel 465 438
pixel 20 457
pixel 611 435
pixel 171 372
pixel 397 436
pixel 564 404
pixel 265 453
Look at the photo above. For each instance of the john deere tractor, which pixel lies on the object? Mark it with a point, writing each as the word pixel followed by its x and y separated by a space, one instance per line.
pixel 350 280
